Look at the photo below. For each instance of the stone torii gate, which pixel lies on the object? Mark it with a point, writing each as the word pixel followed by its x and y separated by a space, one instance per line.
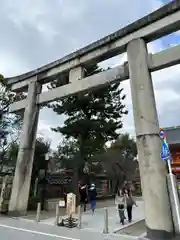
pixel 133 39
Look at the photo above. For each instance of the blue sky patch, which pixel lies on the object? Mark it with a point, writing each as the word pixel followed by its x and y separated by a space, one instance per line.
pixel 172 39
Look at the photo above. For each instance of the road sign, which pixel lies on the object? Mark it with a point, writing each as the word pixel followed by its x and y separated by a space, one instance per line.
pixel 162 134
pixel 165 153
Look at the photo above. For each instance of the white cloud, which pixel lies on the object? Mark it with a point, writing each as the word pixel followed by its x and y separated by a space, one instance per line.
pixel 165 94
pixel 44 130
pixel 36 33
pixel 167 98
pixel 11 64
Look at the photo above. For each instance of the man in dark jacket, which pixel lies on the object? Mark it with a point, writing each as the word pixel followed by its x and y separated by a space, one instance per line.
pixel 92 196
pixel 83 191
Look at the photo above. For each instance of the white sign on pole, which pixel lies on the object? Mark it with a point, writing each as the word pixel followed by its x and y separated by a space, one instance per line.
pixel 62 203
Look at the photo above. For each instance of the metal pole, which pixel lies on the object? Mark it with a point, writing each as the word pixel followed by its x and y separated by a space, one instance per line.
pixel 79 217
pixel 169 167
pixel 57 215
pixel 38 212
pixel 106 230
pixel 44 180
pixel 35 187
pixel 175 205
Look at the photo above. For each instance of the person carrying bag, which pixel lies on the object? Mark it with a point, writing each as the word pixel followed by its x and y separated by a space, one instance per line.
pixel 129 204
pixel 120 202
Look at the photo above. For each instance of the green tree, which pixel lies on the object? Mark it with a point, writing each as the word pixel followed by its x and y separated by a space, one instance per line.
pixel 126 145
pixel 92 119
pixel 9 123
pixel 120 159
pixel 41 148
pixel 12 154
pixel 65 154
pixel 67 157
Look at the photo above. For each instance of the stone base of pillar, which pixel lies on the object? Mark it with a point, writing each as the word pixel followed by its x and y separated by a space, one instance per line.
pixel 17 214
pixel 154 234
pixel 174 201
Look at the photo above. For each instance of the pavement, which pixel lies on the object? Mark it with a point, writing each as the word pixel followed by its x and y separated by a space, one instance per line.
pixel 136 229
pixel 50 214
pixel 95 222
pixel 21 229
pixel 92 226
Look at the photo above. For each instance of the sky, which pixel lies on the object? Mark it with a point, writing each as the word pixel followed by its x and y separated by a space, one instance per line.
pixel 34 33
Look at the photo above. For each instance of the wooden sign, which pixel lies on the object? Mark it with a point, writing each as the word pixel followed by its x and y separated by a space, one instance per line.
pixel 71 204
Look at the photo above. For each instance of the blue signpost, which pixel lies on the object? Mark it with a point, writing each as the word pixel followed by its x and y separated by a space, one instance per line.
pixel 166 156
pixel 165 153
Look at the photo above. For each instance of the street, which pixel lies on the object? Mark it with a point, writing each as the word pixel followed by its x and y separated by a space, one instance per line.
pixel 23 229
pixel 12 233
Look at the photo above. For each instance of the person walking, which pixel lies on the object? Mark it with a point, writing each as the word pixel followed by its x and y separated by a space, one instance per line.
pixel 120 201
pixel 83 191
pixel 92 196
pixel 129 204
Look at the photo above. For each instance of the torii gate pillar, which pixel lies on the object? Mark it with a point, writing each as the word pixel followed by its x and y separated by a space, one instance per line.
pixel 152 169
pixel 22 179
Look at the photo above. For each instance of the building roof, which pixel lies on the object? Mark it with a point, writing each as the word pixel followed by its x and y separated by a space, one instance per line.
pixel 173 135
pixel 58 178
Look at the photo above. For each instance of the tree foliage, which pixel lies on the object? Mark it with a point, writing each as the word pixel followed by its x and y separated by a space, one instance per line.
pixel 93 118
pixel 126 146
pixel 41 148
pixel 9 123
pixel 12 154
pixel 65 154
pixel 120 159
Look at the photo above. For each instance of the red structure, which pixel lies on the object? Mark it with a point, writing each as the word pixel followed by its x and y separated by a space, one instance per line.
pixel 175 151
pixel 173 139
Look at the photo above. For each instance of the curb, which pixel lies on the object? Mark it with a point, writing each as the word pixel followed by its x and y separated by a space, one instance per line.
pixel 129 225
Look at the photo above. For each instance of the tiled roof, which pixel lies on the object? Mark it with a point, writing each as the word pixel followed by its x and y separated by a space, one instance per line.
pixel 58 178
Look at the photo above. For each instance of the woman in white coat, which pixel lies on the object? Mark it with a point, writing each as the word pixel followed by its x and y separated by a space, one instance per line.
pixel 120 201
